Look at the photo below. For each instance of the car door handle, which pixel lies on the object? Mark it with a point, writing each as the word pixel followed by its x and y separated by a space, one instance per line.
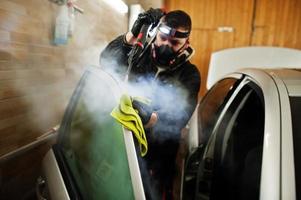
pixel 40 187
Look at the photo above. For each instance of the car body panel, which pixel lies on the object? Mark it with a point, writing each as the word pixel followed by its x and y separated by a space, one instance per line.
pixel 228 61
pixel 291 79
pixel 288 190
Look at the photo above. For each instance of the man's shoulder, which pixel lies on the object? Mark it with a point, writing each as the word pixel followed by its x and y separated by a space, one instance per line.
pixel 190 77
pixel 189 68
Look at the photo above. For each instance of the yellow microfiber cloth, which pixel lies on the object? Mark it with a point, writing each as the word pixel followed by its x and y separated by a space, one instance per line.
pixel 129 118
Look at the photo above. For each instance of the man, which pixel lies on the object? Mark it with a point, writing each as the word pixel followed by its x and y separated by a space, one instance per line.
pixel 174 85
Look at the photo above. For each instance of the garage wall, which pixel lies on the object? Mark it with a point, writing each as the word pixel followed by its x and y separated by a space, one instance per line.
pixel 37 77
pixel 220 24
pixel 277 23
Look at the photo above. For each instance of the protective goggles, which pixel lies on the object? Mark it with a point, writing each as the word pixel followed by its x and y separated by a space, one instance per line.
pixel 172 32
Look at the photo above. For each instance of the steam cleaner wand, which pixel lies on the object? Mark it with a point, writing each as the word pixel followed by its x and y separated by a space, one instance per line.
pixel 137 50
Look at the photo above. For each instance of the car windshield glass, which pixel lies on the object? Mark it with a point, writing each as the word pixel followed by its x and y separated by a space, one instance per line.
pixel 295 103
pixel 93 144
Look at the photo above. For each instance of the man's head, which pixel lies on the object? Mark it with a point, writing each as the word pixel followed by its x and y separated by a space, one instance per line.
pixel 172 37
pixel 179 24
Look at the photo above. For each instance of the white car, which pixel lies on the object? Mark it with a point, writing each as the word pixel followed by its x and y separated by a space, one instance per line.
pixel 249 138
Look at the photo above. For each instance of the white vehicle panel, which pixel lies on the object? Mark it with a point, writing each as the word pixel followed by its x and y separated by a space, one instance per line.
pixel 288 190
pixel 229 60
pixel 55 183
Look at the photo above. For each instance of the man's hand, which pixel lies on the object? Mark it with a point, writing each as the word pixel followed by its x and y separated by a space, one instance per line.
pixel 145 111
pixel 151 16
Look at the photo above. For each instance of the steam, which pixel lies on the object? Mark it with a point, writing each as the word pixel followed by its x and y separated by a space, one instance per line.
pixel 170 101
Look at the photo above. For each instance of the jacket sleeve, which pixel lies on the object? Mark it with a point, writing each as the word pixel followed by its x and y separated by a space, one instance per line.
pixel 114 58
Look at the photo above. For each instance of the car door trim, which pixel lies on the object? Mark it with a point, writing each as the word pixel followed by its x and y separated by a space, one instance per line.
pixel 55 182
pixel 133 165
pixel 288 183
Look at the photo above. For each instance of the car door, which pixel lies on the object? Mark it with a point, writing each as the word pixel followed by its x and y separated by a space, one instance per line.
pixel 95 154
pixel 228 163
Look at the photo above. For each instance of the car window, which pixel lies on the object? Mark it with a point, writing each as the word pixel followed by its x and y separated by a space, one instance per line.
pixel 235 150
pixel 93 144
pixel 212 104
pixel 231 165
pixel 295 103
pixel 208 113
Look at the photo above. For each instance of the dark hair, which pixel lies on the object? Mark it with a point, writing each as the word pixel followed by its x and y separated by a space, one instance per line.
pixel 178 19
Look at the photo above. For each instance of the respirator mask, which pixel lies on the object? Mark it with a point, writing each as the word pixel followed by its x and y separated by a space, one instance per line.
pixel 164 56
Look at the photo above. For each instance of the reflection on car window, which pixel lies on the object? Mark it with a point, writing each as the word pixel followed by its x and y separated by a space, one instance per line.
pixel 93 145
pixel 212 104
pixel 295 103
pixel 235 149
